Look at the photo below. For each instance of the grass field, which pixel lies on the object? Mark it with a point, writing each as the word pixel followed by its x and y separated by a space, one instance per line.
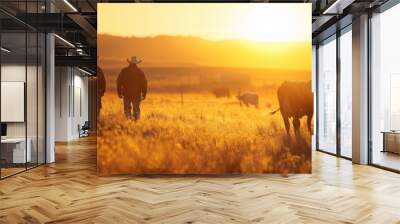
pixel 202 135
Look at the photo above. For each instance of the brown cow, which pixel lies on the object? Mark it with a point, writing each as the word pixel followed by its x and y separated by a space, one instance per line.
pixel 295 101
pixel 248 99
pixel 222 92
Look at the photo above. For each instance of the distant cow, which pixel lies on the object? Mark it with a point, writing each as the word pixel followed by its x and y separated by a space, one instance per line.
pixel 222 92
pixel 295 101
pixel 248 99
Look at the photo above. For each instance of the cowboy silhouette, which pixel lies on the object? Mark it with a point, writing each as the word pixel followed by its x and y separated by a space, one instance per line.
pixel 132 87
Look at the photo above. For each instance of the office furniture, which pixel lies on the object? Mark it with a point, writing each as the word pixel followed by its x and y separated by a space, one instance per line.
pixel 3 130
pixel 391 141
pixel 13 150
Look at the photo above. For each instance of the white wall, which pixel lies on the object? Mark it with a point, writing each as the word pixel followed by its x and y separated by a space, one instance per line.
pixel 11 73
pixel 62 82
pixel 81 102
pixel 71 94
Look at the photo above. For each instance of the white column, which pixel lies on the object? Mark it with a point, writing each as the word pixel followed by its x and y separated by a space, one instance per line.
pixel 360 89
pixel 50 99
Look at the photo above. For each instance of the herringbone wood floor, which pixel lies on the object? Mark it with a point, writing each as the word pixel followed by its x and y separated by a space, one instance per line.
pixel 69 191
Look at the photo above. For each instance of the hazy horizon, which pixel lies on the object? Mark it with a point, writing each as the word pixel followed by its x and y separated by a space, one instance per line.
pixel 202 38
pixel 168 50
pixel 182 66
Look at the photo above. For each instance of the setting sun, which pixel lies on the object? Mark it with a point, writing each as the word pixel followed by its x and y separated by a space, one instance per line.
pixel 260 24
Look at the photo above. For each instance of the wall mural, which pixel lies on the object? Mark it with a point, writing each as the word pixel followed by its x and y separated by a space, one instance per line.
pixel 204 88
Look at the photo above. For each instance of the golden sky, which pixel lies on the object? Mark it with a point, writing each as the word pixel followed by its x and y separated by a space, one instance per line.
pixel 256 21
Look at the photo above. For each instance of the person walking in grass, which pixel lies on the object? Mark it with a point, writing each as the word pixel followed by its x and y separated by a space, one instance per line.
pixel 132 88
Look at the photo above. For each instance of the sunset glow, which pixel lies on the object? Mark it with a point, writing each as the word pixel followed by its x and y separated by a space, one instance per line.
pixel 255 22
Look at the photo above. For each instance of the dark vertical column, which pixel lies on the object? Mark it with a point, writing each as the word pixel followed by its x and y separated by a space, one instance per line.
pixel 316 113
pixel 369 90
pixel 338 95
pixel 26 87
pixel 37 90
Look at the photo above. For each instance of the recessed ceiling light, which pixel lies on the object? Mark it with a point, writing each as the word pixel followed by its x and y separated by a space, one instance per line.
pixel 5 50
pixel 70 5
pixel 64 40
pixel 84 71
pixel 337 7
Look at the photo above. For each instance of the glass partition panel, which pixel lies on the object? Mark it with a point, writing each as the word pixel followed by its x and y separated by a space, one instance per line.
pixel 14 153
pixel 385 89
pixel 22 88
pixel 346 94
pixel 327 96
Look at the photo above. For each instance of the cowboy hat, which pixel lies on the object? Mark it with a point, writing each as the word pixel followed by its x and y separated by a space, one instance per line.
pixel 133 60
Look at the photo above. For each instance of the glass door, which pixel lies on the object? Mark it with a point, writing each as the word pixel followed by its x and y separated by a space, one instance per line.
pixel 385 89
pixel 14 153
pixel 327 96
pixel 346 93
pixel 22 77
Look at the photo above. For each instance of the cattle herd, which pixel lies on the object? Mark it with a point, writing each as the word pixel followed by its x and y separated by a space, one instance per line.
pixel 295 101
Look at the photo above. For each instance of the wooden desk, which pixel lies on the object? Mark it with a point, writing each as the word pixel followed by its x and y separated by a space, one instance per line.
pixel 391 141
pixel 13 150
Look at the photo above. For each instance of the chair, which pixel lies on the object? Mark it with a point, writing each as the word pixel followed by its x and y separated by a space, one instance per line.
pixel 84 130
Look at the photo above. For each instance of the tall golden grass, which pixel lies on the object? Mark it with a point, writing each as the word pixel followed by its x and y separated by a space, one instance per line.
pixel 202 135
